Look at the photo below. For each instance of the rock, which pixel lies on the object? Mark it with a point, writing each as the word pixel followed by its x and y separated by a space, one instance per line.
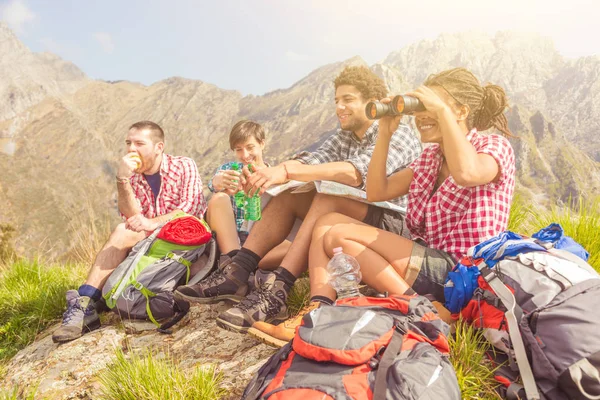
pixel 70 370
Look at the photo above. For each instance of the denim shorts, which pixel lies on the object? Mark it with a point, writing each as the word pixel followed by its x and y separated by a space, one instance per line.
pixel 427 270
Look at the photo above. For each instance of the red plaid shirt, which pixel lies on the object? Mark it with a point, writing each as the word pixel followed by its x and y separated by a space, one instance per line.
pixel 456 218
pixel 180 189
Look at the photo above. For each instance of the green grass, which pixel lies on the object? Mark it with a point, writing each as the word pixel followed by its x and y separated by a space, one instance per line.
pixel 17 394
pixel 32 296
pixel 581 221
pixel 149 377
pixel 473 370
pixel 299 296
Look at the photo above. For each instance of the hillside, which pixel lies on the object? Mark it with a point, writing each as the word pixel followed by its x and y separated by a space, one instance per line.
pixel 66 131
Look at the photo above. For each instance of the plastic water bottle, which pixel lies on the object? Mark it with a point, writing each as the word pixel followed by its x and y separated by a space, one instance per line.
pixel 240 197
pixel 252 211
pixel 344 274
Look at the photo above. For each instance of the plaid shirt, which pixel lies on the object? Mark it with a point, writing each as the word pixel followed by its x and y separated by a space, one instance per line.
pixel 180 189
pixel 456 218
pixel 238 212
pixel 346 146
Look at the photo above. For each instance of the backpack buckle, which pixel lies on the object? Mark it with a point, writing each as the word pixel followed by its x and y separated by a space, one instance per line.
pixel 374 361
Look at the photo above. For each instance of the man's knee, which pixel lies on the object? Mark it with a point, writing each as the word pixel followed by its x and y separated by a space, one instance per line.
pixel 122 237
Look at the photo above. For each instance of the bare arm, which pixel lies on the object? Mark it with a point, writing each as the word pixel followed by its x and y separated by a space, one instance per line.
pixel 380 187
pixel 340 171
pixel 467 167
pixel 126 200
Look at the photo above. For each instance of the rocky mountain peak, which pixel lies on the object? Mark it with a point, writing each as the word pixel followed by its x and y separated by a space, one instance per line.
pixel 10 45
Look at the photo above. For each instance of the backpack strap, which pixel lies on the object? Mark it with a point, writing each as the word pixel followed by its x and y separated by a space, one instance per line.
pixel 508 299
pixel 258 383
pixel 182 307
pixel 388 358
pixel 212 255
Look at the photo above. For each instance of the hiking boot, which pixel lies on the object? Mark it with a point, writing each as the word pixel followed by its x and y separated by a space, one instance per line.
pixel 280 335
pixel 265 303
pixel 229 283
pixel 81 317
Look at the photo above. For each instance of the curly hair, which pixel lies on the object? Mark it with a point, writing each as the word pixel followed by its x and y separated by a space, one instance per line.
pixel 487 103
pixel 362 78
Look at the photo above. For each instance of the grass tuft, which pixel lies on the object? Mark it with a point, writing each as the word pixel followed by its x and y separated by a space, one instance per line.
pixel 475 374
pixel 17 394
pixel 581 221
pixel 299 296
pixel 149 377
pixel 32 296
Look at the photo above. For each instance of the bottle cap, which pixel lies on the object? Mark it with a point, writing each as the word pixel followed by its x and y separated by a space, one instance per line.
pixel 337 250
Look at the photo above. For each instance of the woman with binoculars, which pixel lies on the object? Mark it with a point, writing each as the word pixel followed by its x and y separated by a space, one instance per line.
pixel 459 191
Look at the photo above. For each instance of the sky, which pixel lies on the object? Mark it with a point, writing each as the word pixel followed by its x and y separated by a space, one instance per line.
pixel 256 46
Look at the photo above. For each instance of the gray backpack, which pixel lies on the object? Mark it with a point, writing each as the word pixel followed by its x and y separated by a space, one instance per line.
pixel 142 286
pixel 362 348
pixel 541 308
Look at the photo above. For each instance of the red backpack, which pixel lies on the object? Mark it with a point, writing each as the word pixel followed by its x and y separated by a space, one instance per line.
pixel 362 348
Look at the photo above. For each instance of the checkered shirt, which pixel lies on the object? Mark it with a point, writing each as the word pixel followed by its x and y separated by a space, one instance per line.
pixel 456 218
pixel 180 189
pixel 405 147
pixel 238 212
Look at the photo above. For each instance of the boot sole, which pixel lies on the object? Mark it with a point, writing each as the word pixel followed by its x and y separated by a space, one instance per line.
pixel 86 329
pixel 208 300
pixel 231 327
pixel 265 338
pixel 240 329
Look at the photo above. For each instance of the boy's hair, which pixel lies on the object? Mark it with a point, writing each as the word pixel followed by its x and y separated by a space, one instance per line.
pixel 245 129
pixel 362 78
pixel 157 133
pixel 487 103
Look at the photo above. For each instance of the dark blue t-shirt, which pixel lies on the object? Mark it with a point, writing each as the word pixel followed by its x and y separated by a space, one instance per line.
pixel 154 182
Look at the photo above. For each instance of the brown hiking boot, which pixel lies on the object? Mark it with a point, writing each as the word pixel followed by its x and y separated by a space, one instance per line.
pixel 266 302
pixel 229 283
pixel 279 335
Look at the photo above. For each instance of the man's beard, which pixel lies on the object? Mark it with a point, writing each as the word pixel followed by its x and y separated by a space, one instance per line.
pixel 352 126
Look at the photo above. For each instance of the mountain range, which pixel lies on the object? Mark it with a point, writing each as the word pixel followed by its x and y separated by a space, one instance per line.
pixel 61 133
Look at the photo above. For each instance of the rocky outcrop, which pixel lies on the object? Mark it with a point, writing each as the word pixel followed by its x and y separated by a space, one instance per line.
pixel 70 371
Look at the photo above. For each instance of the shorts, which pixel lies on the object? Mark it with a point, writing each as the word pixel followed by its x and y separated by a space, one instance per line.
pixel 387 220
pixel 427 270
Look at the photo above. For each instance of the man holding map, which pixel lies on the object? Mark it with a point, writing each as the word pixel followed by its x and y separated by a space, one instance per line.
pixel 342 158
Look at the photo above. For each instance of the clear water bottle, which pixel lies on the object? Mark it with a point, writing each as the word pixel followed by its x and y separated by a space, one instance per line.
pixel 240 197
pixel 344 274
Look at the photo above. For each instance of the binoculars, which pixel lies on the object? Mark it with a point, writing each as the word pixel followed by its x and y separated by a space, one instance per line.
pixel 399 105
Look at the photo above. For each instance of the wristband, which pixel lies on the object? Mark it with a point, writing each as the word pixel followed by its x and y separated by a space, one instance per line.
pixel 287 174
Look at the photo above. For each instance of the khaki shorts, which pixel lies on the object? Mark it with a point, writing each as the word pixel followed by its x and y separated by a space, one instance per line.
pixel 427 270
pixel 387 220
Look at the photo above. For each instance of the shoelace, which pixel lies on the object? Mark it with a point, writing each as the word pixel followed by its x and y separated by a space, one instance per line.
pixel 70 312
pixel 213 278
pixel 259 297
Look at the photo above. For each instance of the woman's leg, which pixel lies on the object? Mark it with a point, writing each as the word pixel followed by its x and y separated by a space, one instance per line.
pixel 383 256
pixel 221 219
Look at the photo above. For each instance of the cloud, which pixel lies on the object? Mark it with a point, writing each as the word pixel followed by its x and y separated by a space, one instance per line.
pixel 16 14
pixel 105 41
pixel 293 56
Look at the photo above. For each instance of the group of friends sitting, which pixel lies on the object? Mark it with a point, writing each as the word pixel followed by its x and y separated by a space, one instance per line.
pixel 455 181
